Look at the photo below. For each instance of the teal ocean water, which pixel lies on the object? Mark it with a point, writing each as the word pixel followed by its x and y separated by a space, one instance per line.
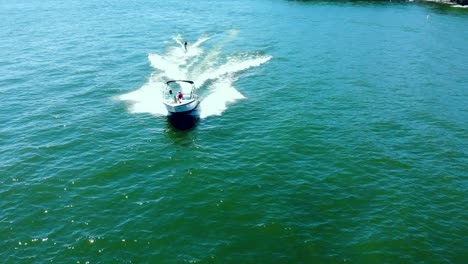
pixel 328 132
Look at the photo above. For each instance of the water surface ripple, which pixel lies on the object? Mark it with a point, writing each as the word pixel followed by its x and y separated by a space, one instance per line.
pixel 328 132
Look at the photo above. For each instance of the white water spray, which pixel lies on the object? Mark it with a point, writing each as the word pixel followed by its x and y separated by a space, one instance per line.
pixel 200 66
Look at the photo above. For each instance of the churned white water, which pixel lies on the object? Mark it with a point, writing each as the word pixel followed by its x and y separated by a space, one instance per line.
pixel 200 65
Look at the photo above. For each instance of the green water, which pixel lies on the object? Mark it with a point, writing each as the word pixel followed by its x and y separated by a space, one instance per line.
pixel 327 132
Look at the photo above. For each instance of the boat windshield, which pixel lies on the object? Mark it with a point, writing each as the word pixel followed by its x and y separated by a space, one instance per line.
pixel 174 87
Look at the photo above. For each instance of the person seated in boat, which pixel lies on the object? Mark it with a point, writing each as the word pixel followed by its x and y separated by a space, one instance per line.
pixel 172 96
pixel 180 96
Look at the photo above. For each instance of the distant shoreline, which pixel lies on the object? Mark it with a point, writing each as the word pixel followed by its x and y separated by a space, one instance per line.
pixel 449 2
pixel 442 1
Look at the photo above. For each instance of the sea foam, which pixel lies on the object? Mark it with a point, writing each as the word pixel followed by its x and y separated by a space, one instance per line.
pixel 213 72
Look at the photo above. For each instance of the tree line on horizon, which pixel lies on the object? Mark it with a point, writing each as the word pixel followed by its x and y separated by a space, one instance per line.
pixel 460 2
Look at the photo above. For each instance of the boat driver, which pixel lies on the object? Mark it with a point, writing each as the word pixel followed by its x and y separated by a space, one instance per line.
pixel 173 97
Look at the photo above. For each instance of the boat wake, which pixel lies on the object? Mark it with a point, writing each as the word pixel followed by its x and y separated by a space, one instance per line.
pixel 213 72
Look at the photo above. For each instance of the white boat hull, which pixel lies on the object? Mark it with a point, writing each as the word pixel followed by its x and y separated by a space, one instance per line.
pixel 183 106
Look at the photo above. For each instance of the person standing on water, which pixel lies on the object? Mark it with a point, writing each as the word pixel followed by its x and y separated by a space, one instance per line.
pixel 185 45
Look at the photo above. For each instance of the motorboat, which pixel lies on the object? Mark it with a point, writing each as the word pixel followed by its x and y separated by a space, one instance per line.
pixel 179 96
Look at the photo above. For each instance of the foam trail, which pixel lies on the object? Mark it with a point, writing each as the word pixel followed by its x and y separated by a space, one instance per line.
pixel 147 99
pixel 168 68
pixel 232 66
pixel 200 66
pixel 194 51
pixel 222 91
pixel 200 41
pixel 211 58
pixel 217 101
pixel 178 40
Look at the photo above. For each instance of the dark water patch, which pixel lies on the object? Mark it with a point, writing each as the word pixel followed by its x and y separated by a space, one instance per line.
pixel 184 121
